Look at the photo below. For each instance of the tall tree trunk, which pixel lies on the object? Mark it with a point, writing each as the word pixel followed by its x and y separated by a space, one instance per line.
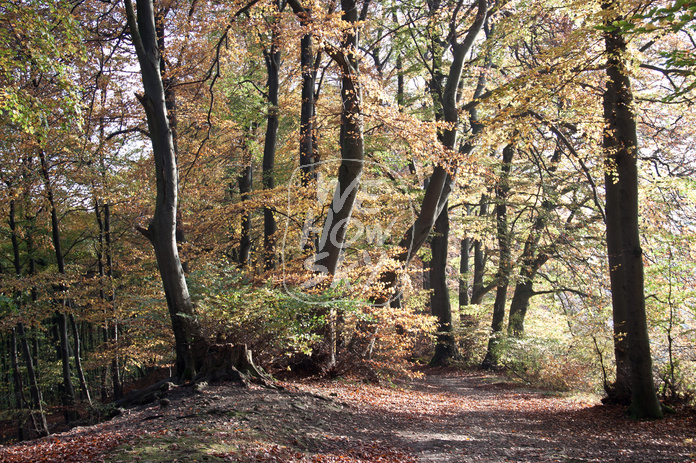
pixel 18 300
pixel 78 362
pixel 502 190
pixel 17 383
pixel 531 262
pixel 116 380
pixel 464 266
pixel 307 107
pixel 330 246
pixel 427 259
pixel 38 415
pixel 108 297
pixel 272 59
pixel 464 253
pixel 445 348
pixel 64 348
pixel 619 391
pixel 102 294
pixel 64 356
pixel 477 288
pixel 352 150
pixel 440 185
pixel 620 143
pixel 245 181
pixel 190 344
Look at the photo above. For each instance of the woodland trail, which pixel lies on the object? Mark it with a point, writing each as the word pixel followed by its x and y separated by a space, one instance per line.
pixel 444 417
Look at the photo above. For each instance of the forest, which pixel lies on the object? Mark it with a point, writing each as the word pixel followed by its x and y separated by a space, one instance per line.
pixel 255 191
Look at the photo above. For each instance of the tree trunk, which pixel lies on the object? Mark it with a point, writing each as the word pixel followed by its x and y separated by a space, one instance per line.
pixel 245 181
pixel 477 289
pixel 352 151
pixel 64 353
pixel 38 416
pixel 427 259
pixel 531 262
pixel 116 381
pixel 78 362
pixel 272 59
pixel 445 99
pixel 619 391
pixel 464 247
pixel 64 348
pixel 620 143
pixel 37 413
pixel 108 297
pixel 524 290
pixel 445 348
pixel 190 344
pixel 502 190
pixel 307 106
pixel 17 377
pixel 17 382
pixel 479 262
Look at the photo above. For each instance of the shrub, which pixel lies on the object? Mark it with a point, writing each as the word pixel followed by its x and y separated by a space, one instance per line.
pixel 547 363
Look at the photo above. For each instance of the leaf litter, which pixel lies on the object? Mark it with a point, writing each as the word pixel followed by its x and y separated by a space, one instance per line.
pixel 447 416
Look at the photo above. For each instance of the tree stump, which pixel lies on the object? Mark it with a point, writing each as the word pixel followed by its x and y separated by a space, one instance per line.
pixel 229 362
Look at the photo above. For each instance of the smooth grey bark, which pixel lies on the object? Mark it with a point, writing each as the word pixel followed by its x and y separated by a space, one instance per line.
pixel 189 342
pixel 502 190
pixel 352 149
pixel 478 289
pixel 465 256
pixel 466 243
pixel 245 181
pixel 440 185
pixel 38 415
pixel 272 60
pixel 107 296
pixel 60 319
pixel 531 261
pixel 309 74
pixel 445 348
pixel 77 348
pixel 620 143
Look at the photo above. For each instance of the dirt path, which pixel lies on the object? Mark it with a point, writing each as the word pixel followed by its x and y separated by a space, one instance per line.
pixel 464 417
pixel 478 417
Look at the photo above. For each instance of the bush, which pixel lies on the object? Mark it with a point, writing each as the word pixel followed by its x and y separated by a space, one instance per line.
pixel 282 330
pixel 547 363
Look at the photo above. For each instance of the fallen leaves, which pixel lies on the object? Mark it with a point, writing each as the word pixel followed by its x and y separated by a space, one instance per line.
pixel 80 445
pixel 456 417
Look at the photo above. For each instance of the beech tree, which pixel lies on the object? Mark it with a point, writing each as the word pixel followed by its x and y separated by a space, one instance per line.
pixel 620 143
pixel 190 344
pixel 444 92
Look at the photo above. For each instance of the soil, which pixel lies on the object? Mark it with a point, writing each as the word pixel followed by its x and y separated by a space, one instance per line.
pixel 446 416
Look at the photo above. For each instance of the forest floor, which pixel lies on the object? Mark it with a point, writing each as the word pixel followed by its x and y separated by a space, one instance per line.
pixel 447 416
